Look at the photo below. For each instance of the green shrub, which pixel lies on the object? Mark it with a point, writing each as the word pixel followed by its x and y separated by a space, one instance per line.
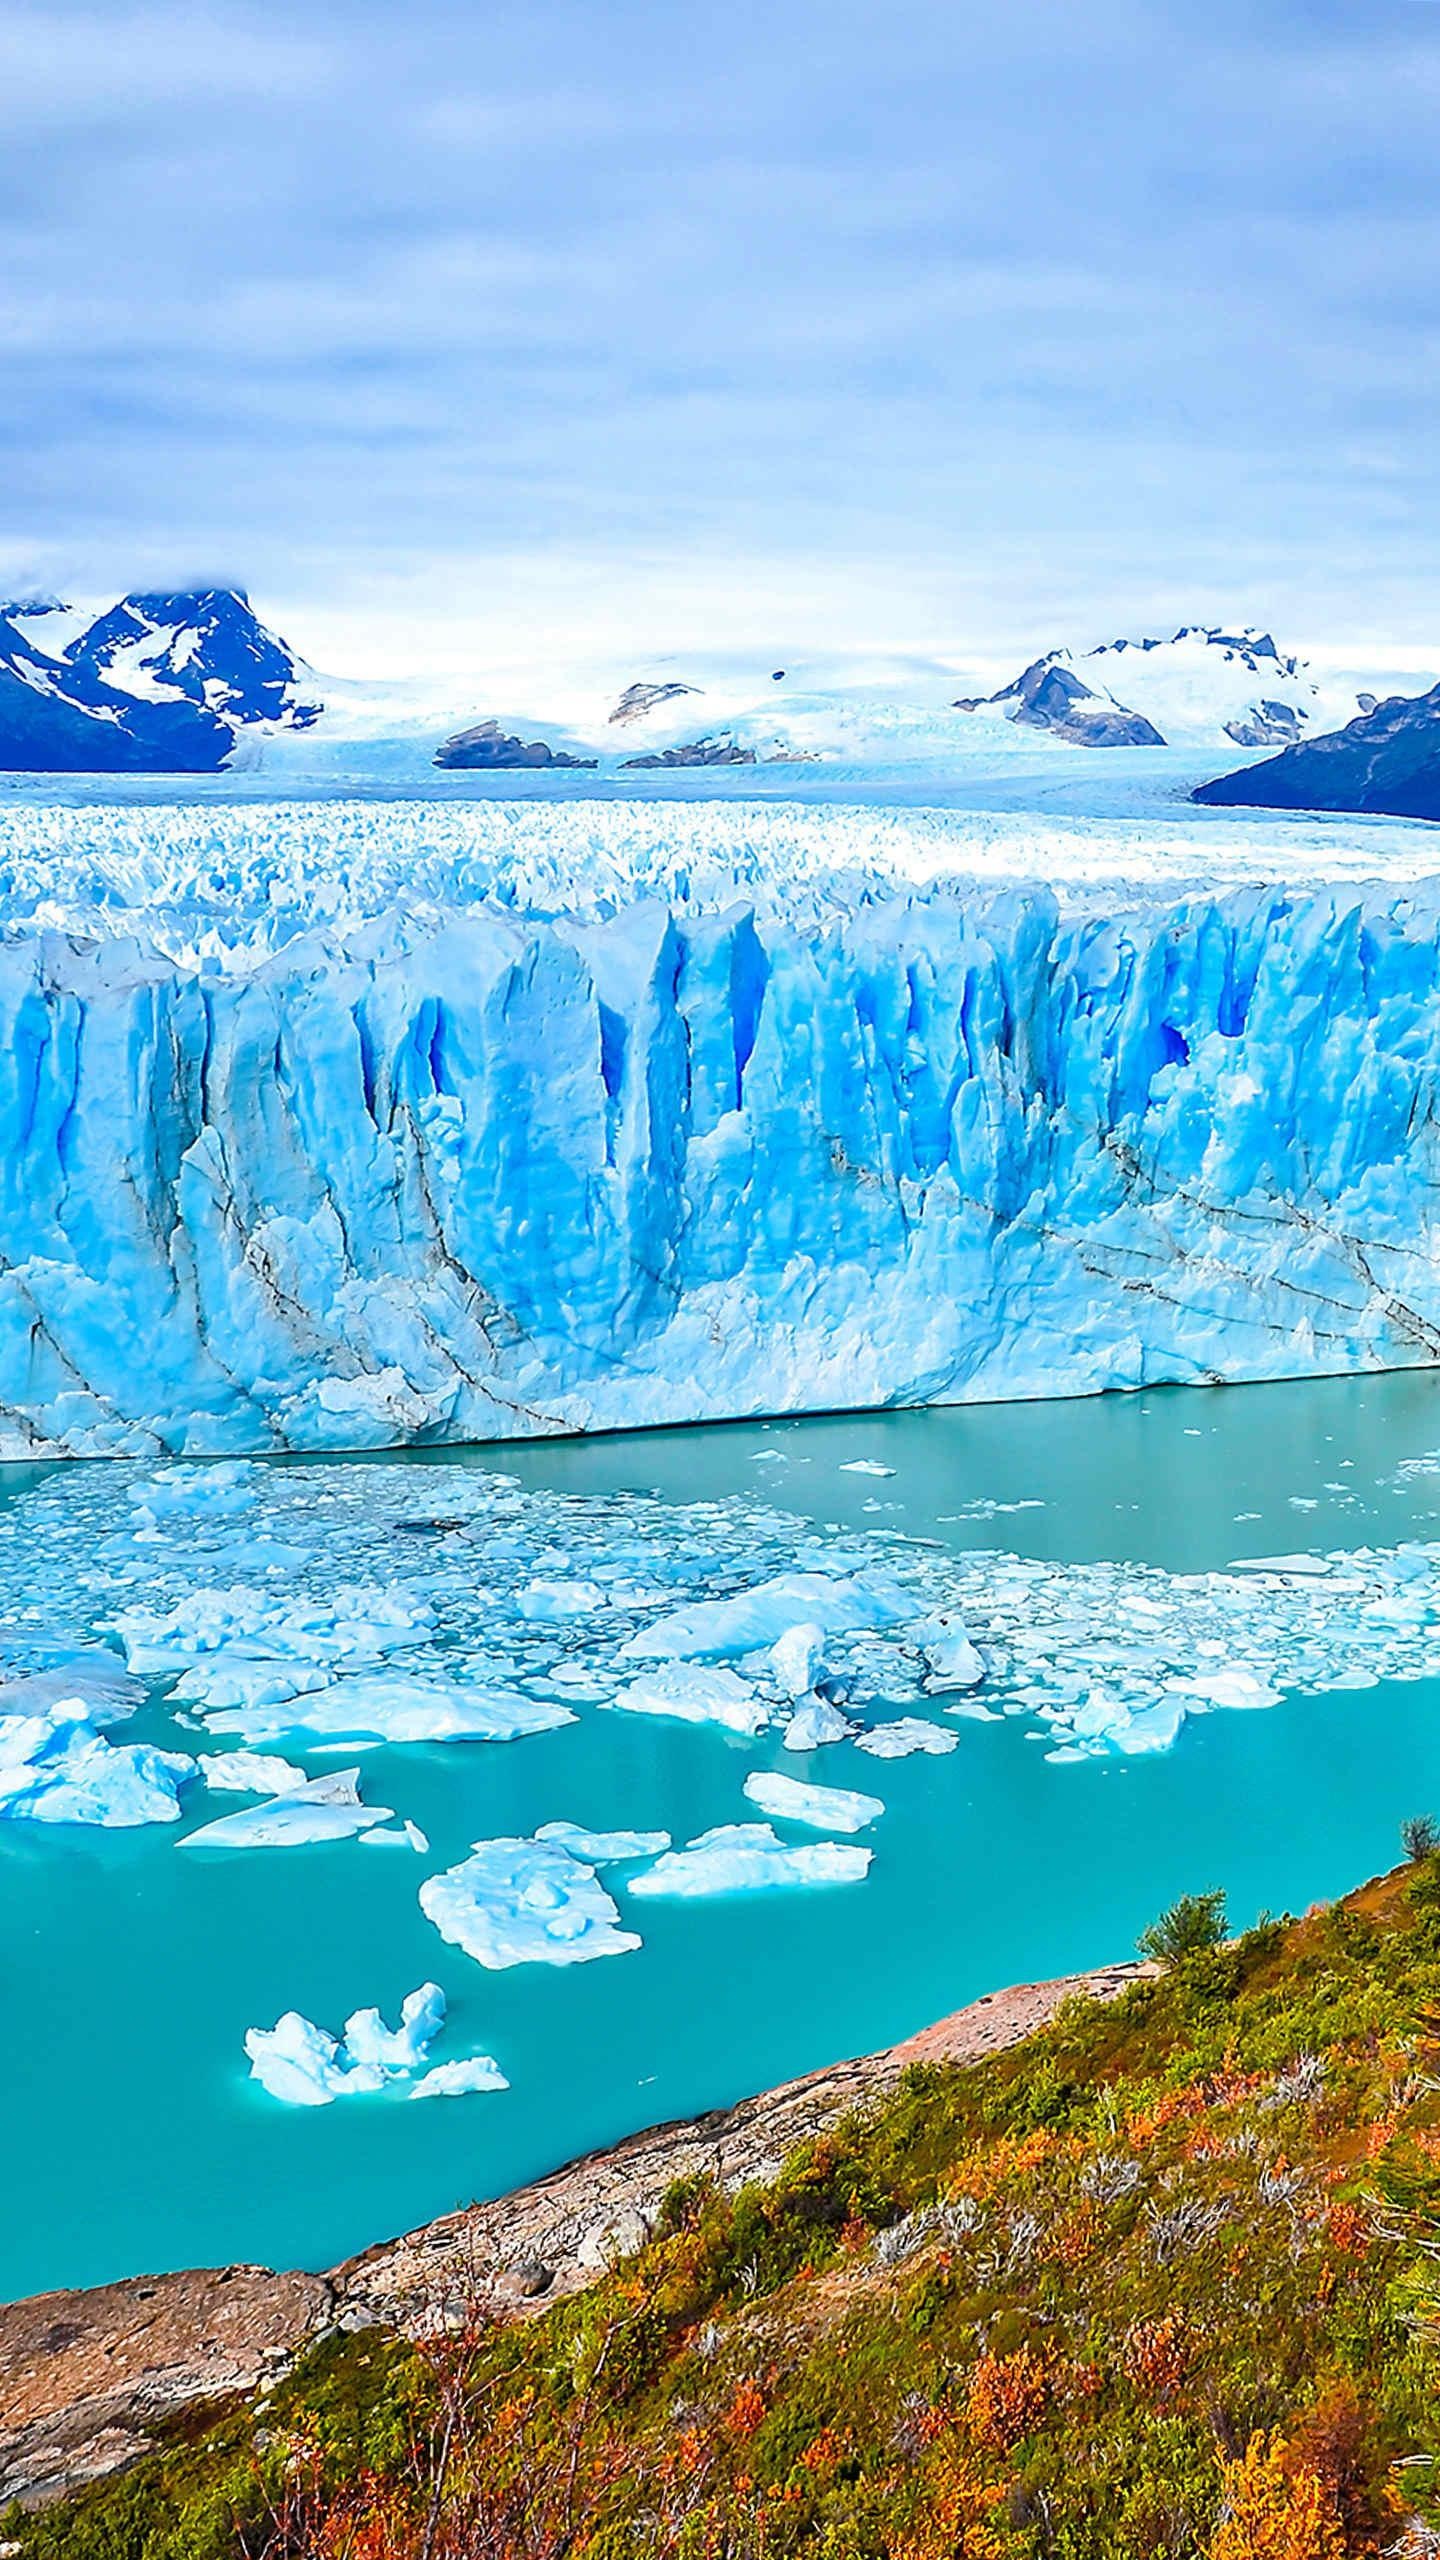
pixel 1191 1927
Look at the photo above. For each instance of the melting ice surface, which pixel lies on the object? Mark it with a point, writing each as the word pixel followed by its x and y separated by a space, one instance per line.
pixel 1176 1693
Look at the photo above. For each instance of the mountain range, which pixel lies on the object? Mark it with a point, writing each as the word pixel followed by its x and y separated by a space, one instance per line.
pixel 154 684
pixel 194 683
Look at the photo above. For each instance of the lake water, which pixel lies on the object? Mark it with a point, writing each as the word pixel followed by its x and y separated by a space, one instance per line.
pixel 130 2135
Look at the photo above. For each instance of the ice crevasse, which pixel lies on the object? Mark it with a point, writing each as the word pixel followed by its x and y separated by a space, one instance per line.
pixel 475 1172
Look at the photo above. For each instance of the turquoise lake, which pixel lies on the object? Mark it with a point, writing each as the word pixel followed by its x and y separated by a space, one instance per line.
pixel 131 2137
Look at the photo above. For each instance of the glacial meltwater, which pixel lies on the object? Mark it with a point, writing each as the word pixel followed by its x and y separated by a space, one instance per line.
pixel 1209 1627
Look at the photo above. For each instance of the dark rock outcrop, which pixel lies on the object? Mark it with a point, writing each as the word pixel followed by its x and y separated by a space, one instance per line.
pixel 1270 724
pixel 1384 764
pixel 1049 696
pixel 637 699
pixel 698 751
pixel 487 749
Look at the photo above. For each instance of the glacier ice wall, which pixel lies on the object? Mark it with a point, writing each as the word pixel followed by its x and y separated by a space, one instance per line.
pixel 473 1172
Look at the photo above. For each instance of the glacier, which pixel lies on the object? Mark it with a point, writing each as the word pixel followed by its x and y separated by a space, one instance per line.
pixel 601 1117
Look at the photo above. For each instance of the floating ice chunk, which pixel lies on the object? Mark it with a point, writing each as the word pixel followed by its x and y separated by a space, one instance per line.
pixel 407 1835
pixel 795 1659
pixel 815 1722
pixel 902 1736
pixel 357 1623
pixel 402 2048
pixel 952 1660
pixel 544 1602
pixel 696 1694
pixel 391 1708
pixel 89 1682
pixel 249 1773
pixel 1307 1565
pixel 524 1902
pixel 1232 1688
pixel 54 1767
pixel 823 1808
pixel 603 1848
pixel 302 2066
pixel 752 1619
pixel 327 1808
pixel 748 1857
pixel 461 2079
pixel 198 1492
pixel 865 1467
pixel 1149 1728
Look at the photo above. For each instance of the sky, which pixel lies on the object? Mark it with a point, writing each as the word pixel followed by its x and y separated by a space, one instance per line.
pixel 943 327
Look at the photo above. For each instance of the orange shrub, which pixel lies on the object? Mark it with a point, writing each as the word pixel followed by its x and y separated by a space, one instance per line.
pixel 1008 2397
pixel 746 2411
pixel 1275 2508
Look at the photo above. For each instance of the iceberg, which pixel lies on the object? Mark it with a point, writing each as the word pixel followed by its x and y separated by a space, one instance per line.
pixel 952 1661
pixel 902 1736
pixel 603 1848
pixel 248 1773
pixel 55 1767
pixel 748 1857
pixel 302 2066
pixel 525 1902
pixel 320 1809
pixel 402 2048
pixel 823 1808
pixel 461 2079
pixel 751 1620
pixel 394 1710
pixel 816 1722
pixel 695 1694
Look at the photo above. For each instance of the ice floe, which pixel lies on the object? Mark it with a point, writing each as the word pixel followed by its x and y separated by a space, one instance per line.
pixel 525 1902
pixel 903 1736
pixel 747 1620
pixel 55 1767
pixel 814 1723
pixel 696 1694
pixel 402 2048
pixel 249 1773
pixel 823 1808
pixel 461 2079
pixel 603 1848
pixel 748 1857
pixel 319 1809
pixel 392 1709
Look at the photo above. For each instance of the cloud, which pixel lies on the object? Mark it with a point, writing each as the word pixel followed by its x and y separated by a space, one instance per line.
pixel 1049 313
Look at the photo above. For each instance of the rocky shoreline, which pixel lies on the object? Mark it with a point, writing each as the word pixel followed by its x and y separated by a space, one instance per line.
pixel 88 2377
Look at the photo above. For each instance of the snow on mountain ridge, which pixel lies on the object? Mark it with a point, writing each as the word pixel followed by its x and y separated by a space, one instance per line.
pixel 157 683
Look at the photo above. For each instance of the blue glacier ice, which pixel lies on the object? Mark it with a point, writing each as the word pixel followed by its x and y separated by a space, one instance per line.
pixel 328 1127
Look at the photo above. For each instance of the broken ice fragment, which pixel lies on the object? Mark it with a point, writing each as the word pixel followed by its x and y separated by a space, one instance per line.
pixel 461 2079
pixel 904 1735
pixel 603 1848
pixel 823 1808
pixel 402 2048
pixel 749 1857
pixel 524 1902
pixel 815 1723
pixel 696 1694
pixel 756 1618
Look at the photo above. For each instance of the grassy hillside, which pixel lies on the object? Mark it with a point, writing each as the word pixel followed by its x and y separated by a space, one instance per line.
pixel 1165 2280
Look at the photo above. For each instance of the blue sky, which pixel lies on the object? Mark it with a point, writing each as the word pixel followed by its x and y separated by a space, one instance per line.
pixel 947 328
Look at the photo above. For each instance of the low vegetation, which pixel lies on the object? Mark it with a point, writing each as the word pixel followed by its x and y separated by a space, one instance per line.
pixel 1164 2280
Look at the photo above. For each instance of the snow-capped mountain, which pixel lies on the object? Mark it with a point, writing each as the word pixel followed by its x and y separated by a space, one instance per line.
pixel 154 684
pixel 1385 764
pixel 1200 688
